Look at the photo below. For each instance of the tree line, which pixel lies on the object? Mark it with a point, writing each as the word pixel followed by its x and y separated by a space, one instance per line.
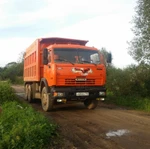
pixel 13 72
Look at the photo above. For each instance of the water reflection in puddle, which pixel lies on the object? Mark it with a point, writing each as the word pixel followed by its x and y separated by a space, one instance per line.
pixel 117 133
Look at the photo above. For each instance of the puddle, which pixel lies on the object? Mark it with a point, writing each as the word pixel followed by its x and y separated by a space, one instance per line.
pixel 117 133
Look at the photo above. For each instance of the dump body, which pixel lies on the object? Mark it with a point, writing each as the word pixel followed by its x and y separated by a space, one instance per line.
pixel 66 67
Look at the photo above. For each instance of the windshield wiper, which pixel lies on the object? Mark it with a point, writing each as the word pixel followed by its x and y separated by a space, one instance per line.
pixel 65 60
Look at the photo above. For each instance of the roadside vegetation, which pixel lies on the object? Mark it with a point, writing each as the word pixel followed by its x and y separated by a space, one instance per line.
pixel 6 92
pixel 129 87
pixel 21 127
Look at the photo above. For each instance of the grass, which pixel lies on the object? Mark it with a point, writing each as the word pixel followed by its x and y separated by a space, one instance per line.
pixel 134 102
pixel 21 127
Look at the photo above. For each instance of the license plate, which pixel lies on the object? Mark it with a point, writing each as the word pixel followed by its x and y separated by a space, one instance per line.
pixel 80 79
pixel 82 94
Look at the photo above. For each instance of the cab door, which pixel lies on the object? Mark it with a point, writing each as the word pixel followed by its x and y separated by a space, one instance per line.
pixel 48 68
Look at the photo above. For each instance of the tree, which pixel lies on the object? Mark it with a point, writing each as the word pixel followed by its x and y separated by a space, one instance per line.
pixel 139 46
pixel 12 71
pixel 10 64
pixel 104 52
pixel 21 57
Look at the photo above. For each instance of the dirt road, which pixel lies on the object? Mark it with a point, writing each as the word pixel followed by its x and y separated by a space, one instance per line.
pixel 106 127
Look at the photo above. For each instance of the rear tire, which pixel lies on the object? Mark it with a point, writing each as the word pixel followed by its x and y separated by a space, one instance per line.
pixel 26 91
pixel 90 104
pixel 30 96
pixel 47 102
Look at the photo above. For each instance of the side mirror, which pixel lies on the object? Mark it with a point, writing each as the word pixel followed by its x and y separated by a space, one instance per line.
pixel 45 56
pixel 109 58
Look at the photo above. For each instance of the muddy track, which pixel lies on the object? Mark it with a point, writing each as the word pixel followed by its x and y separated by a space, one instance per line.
pixel 106 127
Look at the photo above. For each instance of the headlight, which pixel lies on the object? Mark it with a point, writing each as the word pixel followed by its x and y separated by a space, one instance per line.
pixel 58 94
pixel 102 93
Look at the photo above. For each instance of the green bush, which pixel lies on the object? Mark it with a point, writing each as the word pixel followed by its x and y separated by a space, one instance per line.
pixel 130 86
pixel 23 128
pixel 134 102
pixel 6 92
pixel 133 80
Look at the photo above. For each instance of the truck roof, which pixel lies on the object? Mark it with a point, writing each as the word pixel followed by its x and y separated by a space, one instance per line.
pixel 58 40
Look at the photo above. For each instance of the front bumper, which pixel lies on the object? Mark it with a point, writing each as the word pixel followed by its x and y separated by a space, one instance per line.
pixel 78 93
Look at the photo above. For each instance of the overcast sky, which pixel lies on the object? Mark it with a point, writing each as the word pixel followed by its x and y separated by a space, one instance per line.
pixel 105 23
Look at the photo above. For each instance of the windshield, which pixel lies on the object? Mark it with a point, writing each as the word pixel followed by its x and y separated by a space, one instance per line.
pixel 65 55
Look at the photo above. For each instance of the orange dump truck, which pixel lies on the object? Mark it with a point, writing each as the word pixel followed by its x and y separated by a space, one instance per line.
pixel 59 70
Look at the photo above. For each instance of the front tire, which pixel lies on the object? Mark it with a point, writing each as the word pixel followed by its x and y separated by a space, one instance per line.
pixel 90 104
pixel 47 102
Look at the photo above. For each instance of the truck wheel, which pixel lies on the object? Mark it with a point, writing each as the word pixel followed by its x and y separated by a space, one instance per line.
pixel 47 102
pixel 30 98
pixel 26 91
pixel 91 104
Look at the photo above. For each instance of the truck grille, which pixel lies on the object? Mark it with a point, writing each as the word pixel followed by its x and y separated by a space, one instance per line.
pixel 75 82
